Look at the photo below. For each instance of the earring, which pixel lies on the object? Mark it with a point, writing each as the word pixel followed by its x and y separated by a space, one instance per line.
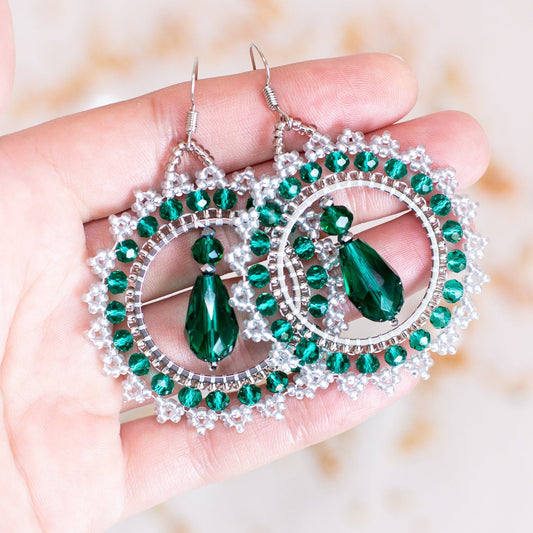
pixel 157 220
pixel 322 275
pixel 298 269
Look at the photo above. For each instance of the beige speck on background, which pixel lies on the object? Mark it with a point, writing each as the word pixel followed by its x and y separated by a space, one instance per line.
pixel 456 454
pixel 416 436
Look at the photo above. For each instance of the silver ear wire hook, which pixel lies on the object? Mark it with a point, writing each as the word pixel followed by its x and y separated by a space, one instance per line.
pixel 268 91
pixel 192 115
pixel 263 59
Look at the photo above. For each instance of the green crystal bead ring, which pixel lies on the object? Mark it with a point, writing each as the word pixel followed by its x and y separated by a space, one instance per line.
pixel 370 283
pixel 312 194
pixel 210 217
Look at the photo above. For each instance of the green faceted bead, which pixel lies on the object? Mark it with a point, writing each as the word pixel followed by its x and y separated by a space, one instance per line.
pixel 127 251
pixel 419 339
pixel 421 184
pixel 277 381
pixel 266 304
pixel 318 305
pixel 260 243
pixel 336 220
pixel 115 312
pixel 123 340
pixel 281 330
pixel 170 209
pixel 395 355
pixel 217 400
pixel 317 276
pixel 225 198
pixel 338 362
pixel 249 394
pixel 258 276
pixel 307 351
pixel 249 203
pixel 304 247
pixel 147 226
pixel 310 172
pixel 117 282
pixel 198 200
pixel 456 261
pixel 162 385
pixel 452 291
pixel 366 161
pixel 440 317
pixel 211 327
pixel 207 250
pixel 139 364
pixel 440 204
pixel 452 231
pixel 269 214
pixel 367 363
pixel 336 161
pixel 395 169
pixel 370 283
pixel 289 188
pixel 189 397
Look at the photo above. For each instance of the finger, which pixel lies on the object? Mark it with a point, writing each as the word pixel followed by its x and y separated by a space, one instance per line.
pixel 101 155
pixel 451 138
pixel 7 53
pixel 180 460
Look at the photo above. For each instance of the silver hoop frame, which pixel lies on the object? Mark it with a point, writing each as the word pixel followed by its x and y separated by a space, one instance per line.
pixel 135 317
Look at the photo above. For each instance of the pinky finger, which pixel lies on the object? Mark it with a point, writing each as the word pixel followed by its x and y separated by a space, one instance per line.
pixel 179 460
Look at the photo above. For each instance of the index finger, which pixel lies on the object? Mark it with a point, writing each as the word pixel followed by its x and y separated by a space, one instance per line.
pixel 101 155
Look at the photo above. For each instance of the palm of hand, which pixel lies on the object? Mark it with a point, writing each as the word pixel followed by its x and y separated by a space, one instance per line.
pixel 66 458
pixel 60 413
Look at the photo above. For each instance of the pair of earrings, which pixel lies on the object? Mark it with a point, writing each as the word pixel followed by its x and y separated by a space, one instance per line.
pixel 298 277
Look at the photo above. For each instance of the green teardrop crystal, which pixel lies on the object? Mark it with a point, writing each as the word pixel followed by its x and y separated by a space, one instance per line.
pixel 371 284
pixel 211 326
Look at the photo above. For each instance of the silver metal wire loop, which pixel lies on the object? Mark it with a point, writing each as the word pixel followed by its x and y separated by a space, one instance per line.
pixel 285 122
pixel 271 98
pixel 263 59
pixel 191 121
pixel 268 91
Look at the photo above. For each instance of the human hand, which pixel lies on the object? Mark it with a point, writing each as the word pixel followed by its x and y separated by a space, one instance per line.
pixel 67 461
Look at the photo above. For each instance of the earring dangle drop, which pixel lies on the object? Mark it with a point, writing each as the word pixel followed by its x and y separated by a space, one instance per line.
pixel 341 277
